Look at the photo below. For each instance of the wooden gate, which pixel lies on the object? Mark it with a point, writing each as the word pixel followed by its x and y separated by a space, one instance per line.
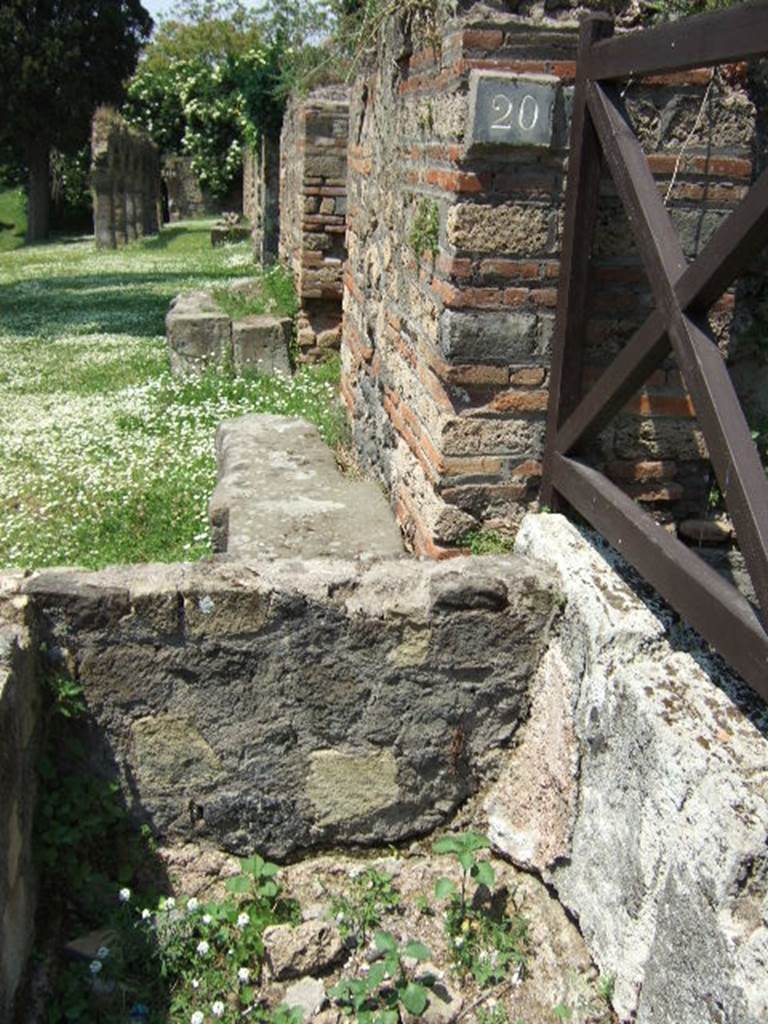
pixel 682 293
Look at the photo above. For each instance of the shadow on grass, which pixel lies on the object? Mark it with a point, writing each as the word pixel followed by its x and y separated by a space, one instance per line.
pixel 109 303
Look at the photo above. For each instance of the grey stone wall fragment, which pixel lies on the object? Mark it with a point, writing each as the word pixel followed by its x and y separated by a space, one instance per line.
pixel 260 344
pixel 20 732
pixel 199 334
pixel 296 703
pixel 652 825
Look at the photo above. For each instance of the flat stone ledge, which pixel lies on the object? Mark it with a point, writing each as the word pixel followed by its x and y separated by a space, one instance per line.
pixel 280 494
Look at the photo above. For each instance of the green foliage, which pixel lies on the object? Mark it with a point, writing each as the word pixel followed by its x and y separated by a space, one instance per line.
pixel 425 230
pixel 209 943
pixel 13 219
pixel 485 940
pixel 371 895
pixel 59 61
pixel 492 1014
pixel 387 986
pixel 671 10
pixel 487 542
pixel 273 292
pixel 216 76
pixel 68 696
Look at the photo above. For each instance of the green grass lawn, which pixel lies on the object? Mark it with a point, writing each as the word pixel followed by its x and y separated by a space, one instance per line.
pixel 106 458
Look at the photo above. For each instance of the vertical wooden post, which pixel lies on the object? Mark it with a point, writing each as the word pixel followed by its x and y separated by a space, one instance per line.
pixel 581 199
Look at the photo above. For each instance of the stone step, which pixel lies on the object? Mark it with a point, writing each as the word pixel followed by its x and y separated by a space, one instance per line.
pixel 280 494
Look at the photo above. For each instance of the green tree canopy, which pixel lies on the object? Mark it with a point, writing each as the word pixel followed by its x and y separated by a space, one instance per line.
pixel 60 60
pixel 216 75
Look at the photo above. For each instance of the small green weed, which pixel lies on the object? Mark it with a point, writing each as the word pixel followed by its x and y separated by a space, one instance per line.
pixel 68 696
pixel 371 895
pixel 487 542
pixel 485 940
pixel 425 230
pixel 272 292
pixel 377 998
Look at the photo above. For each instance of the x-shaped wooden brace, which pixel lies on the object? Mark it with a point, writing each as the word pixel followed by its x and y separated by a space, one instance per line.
pixel 682 294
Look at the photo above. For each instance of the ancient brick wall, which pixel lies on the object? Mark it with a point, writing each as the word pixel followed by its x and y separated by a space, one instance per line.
pixel 125 180
pixel 313 170
pixel 452 274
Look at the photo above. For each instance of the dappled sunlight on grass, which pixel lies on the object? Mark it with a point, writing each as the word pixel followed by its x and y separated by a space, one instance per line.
pixel 106 457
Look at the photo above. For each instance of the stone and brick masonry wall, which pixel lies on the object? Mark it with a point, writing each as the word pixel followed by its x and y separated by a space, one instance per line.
pixel 446 350
pixel 313 208
pixel 125 180
pixel 20 733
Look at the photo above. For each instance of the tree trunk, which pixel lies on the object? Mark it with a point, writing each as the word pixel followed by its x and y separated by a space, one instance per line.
pixel 38 190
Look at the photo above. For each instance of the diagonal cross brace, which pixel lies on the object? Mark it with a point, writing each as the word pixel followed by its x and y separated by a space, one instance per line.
pixel 732 452
pixel 737 240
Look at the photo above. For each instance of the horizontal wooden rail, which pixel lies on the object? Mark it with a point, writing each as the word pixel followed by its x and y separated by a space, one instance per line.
pixel 718 38
pixel 707 601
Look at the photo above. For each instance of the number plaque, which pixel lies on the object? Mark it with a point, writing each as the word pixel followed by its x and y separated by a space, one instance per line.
pixel 511 110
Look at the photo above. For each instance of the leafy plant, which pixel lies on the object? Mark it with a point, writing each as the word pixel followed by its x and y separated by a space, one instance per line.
pixel 425 230
pixel 371 895
pixel 487 542
pixel 68 696
pixel 485 940
pixel 388 986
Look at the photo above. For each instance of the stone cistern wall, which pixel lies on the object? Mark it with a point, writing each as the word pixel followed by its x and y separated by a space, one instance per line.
pixel 287 705
pixel 125 181
pixel 313 208
pixel 456 189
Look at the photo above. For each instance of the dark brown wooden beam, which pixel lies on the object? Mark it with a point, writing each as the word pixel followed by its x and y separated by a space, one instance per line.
pixel 699 594
pixel 581 199
pixel 718 38
pixel 732 451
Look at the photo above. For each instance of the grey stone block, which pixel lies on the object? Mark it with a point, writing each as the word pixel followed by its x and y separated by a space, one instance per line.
pixel 281 494
pixel 199 334
pixel 492 337
pixel 260 343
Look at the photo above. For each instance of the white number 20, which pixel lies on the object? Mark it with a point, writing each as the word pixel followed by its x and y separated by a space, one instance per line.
pixel 504 109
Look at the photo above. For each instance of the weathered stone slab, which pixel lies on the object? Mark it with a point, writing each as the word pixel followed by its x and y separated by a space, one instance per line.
pixel 199 333
pixel 260 344
pixel 327 702
pixel 640 792
pixel 280 494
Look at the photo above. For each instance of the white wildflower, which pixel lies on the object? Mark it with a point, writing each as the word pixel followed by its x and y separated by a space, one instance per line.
pixel 218 1008
pixel 243 975
pixel 95 966
pixel 197 1017
pixel 146 914
pixel 102 953
pixel 207 918
pixel 202 947
pixel 242 920
pixel 124 895
pixel 192 904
